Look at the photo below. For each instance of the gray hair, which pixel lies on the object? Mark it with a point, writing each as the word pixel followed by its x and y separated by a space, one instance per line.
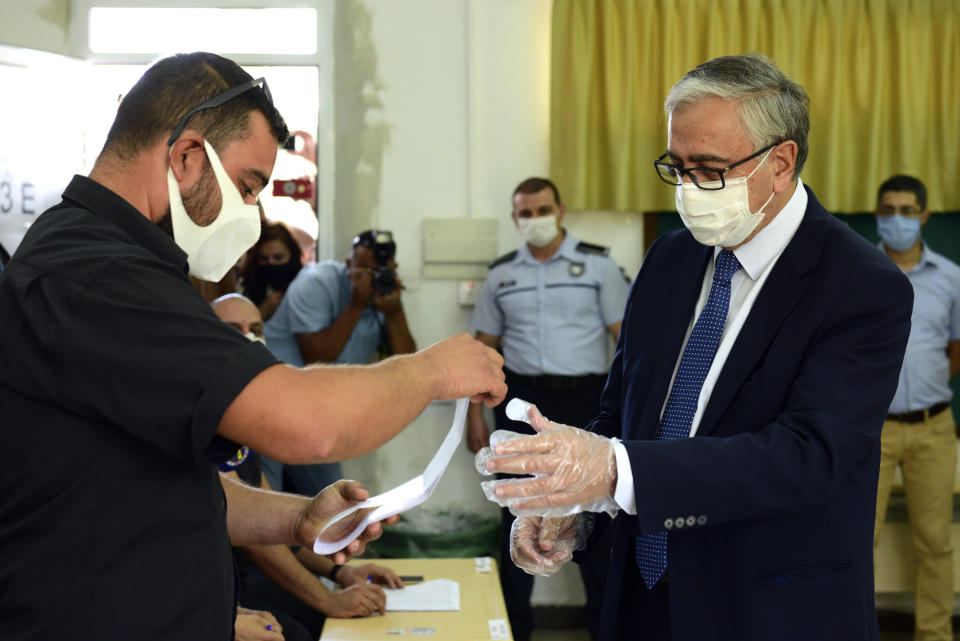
pixel 772 107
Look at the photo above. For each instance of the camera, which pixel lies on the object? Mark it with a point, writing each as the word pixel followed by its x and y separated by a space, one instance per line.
pixel 384 249
pixel 384 280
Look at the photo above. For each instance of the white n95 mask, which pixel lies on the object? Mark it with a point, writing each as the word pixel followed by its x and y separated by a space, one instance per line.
pixel 719 216
pixel 214 249
pixel 539 231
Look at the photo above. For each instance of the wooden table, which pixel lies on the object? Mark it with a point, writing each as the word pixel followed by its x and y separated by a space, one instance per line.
pixel 480 602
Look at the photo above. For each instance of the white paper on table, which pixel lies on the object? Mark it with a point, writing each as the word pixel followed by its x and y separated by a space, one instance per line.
pixel 439 595
pixel 404 496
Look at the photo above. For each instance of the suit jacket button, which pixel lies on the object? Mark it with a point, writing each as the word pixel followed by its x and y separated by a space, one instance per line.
pixel 668 524
pixel 691 520
pixel 701 520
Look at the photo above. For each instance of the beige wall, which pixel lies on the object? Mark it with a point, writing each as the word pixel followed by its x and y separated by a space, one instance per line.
pixel 35 24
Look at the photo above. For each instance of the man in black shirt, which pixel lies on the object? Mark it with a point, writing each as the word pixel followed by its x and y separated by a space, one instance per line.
pixel 120 389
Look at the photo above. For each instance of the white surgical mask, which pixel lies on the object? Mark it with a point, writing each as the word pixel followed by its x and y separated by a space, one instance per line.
pixel 539 231
pixel 214 249
pixel 250 336
pixel 720 216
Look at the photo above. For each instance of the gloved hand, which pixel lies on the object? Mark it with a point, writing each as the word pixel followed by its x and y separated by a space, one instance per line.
pixel 574 470
pixel 542 546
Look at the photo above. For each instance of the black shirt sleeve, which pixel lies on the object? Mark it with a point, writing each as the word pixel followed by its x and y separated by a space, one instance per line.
pixel 145 352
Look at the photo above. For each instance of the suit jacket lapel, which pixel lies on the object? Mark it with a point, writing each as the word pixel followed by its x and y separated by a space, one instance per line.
pixel 781 292
pixel 677 313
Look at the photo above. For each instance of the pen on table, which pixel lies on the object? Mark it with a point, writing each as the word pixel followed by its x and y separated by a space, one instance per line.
pixel 411 579
pixel 369 578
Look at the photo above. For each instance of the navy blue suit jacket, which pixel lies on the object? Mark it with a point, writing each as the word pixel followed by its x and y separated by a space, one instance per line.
pixel 781 477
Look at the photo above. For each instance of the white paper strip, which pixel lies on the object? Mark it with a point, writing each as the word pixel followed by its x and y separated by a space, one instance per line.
pixel 403 497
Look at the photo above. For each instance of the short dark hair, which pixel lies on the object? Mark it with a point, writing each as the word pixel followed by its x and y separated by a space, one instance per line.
pixel 173 86
pixel 902 182
pixel 535 186
pixel 379 241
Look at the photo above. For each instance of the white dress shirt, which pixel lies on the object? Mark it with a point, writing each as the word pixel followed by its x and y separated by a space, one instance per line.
pixel 757 258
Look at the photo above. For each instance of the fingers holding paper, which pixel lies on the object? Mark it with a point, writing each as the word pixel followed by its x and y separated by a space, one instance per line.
pixel 542 545
pixel 330 502
pixel 464 366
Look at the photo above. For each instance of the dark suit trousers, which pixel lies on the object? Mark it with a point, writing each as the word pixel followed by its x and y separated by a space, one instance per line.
pixel 573 407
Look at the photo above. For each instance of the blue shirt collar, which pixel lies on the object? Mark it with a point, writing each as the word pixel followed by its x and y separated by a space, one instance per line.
pixel 928 257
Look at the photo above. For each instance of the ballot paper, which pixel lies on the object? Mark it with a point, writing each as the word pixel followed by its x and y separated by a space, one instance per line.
pixel 403 497
pixel 432 596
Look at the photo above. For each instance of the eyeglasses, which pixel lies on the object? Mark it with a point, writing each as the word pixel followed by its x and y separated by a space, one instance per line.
pixel 218 100
pixel 908 211
pixel 703 177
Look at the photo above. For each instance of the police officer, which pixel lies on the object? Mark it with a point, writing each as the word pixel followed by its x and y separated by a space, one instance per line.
pixel 549 307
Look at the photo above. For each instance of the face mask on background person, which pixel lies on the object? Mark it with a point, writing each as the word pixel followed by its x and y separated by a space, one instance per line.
pixel 214 249
pixel 280 276
pixel 250 336
pixel 720 216
pixel 899 233
pixel 539 231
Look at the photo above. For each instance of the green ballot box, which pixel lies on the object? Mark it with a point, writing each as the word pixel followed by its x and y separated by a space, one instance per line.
pixel 439 534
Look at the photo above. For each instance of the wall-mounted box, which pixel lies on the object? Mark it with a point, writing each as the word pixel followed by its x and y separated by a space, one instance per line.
pixel 458 248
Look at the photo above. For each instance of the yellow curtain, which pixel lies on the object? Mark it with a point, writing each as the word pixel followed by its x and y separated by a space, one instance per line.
pixel 883 78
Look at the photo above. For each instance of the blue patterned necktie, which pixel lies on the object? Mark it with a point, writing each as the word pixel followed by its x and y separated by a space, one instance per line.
pixel 682 404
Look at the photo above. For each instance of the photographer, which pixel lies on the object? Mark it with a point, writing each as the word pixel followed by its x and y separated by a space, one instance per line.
pixel 338 312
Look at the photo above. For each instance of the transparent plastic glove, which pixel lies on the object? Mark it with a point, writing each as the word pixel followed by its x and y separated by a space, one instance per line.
pixel 486 453
pixel 489 487
pixel 542 545
pixel 574 470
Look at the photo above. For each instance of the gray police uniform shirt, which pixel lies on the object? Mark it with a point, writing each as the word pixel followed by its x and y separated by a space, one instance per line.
pixel 552 317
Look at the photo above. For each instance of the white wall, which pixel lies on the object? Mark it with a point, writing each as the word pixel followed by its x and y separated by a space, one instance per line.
pixel 35 24
pixel 437 63
pixel 455 114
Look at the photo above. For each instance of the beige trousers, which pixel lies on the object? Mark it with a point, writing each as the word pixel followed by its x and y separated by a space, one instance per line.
pixel 927 455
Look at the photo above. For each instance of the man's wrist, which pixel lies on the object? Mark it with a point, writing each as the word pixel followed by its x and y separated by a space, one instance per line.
pixel 419 367
pixel 298 506
pixel 334 571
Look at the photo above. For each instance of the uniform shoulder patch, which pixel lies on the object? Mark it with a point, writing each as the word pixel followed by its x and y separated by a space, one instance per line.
pixel 590 248
pixel 506 258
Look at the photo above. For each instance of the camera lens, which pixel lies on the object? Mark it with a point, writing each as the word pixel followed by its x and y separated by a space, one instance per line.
pixel 384 280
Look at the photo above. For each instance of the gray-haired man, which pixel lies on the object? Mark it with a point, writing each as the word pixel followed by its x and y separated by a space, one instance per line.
pixel 757 358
